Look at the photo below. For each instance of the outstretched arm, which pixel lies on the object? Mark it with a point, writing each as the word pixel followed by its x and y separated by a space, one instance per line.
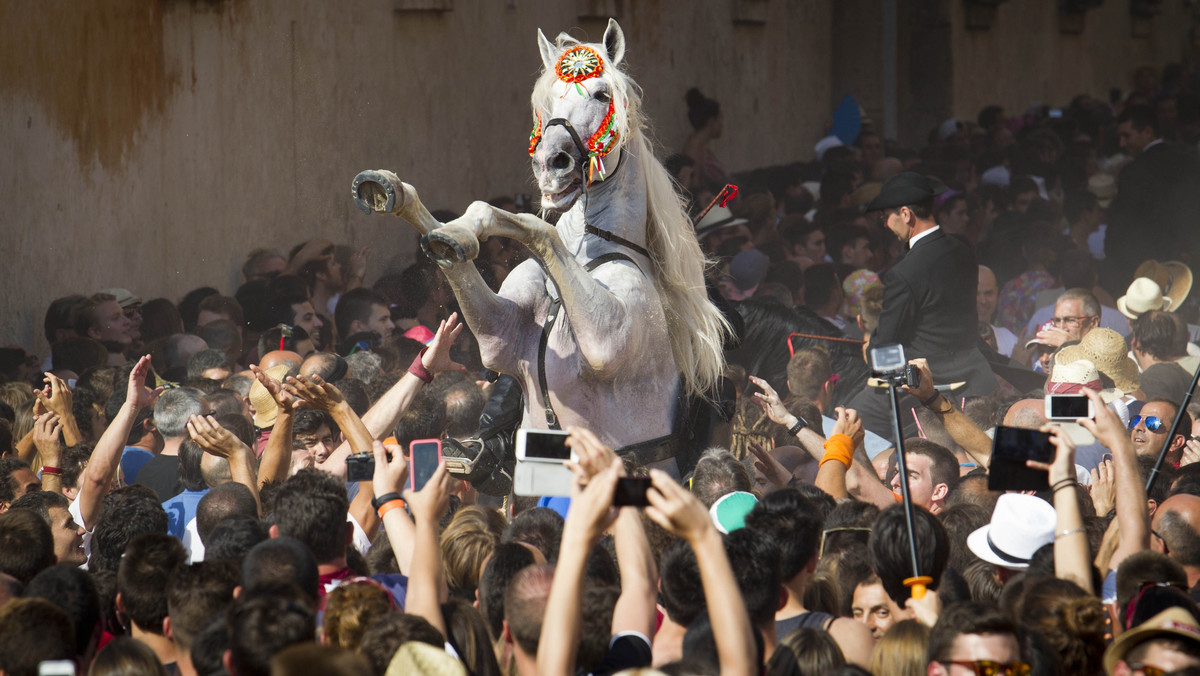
pixel 106 457
pixel 276 460
pixel 964 432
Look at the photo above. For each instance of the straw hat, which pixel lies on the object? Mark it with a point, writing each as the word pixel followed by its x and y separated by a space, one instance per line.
pixel 265 408
pixel 1173 277
pixel 1174 622
pixel 415 657
pixel 1109 352
pixel 717 217
pixel 1144 295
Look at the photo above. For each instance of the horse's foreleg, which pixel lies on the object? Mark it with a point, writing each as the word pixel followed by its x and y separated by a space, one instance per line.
pixel 605 320
pixel 381 191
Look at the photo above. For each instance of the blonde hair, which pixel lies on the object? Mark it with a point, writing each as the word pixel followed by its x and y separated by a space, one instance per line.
pixel 901 651
pixel 468 541
pixel 350 610
pixel 695 326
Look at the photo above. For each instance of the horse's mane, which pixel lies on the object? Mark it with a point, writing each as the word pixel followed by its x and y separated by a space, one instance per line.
pixel 764 350
pixel 695 326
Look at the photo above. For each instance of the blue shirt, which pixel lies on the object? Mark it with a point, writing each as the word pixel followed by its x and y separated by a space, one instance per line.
pixel 132 459
pixel 180 510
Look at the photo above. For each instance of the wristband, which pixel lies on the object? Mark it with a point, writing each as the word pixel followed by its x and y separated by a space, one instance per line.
pixel 800 424
pixel 382 500
pixel 1065 533
pixel 839 447
pixel 929 402
pixel 418 369
pixel 389 506
pixel 51 470
pixel 1062 483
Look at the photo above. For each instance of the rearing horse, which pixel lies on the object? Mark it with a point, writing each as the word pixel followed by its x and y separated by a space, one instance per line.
pixel 622 264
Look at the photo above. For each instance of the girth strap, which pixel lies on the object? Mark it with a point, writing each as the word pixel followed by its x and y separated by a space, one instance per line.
pixel 551 317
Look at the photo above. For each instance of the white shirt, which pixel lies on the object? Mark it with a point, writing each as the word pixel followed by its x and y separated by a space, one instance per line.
pixel 1005 340
pixel 912 241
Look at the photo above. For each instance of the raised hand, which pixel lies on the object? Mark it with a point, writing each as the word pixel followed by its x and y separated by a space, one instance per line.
pixel 592 511
pixel 284 399
pixel 437 356
pixel 770 402
pixel 772 469
pixel 675 509
pixel 138 395
pixel 46 430
pixel 849 424
pixel 358 263
pixel 57 397
pixel 214 439
pixel 1191 452
pixel 594 455
pixel 391 469
pixel 1063 465
pixel 1106 426
pixel 430 503
pixel 1103 488
pixel 925 388
pixel 315 393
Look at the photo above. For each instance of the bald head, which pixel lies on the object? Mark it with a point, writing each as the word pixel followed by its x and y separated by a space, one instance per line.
pixel 1176 523
pixel 886 168
pixel 277 357
pixel 1028 414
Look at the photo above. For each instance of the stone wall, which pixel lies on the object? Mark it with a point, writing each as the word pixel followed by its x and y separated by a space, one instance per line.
pixel 150 144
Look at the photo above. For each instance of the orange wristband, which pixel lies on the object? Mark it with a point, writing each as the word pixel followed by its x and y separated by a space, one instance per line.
pixel 839 447
pixel 390 505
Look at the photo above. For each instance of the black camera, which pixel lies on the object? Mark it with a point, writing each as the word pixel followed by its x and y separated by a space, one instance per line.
pixel 360 467
pixel 889 363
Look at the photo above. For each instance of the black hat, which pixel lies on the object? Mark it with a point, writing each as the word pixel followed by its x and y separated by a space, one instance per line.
pixel 905 188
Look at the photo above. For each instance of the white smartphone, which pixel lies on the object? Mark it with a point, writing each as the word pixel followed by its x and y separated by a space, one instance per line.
pixel 540 470
pixel 1068 407
pixel 56 668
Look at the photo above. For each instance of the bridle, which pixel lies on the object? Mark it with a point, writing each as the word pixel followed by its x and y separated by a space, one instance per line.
pixel 574 66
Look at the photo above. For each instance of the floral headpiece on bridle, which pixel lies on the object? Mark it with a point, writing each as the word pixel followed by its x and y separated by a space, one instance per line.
pixel 574 66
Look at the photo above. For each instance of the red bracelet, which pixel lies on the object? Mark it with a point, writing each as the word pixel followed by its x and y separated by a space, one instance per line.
pixel 52 470
pixel 418 369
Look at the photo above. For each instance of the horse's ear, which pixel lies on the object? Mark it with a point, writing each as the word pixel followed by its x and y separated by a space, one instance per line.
pixel 614 42
pixel 548 51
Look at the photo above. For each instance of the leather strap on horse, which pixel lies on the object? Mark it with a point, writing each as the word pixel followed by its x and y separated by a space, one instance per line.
pixel 551 318
pixel 606 235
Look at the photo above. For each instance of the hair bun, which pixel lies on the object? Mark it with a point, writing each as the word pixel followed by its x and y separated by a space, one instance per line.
pixel 694 98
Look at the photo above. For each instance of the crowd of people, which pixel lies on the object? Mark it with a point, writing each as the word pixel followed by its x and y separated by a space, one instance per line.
pixel 178 490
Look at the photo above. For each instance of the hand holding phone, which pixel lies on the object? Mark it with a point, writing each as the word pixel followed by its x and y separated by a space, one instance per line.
pixel 424 456
pixel 1068 407
pixel 1012 447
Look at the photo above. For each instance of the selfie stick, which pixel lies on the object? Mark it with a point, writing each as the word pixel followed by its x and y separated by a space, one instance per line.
pixel 1187 398
pixel 917 582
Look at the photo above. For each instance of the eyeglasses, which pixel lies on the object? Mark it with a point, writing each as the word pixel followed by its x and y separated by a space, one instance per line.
pixel 1153 423
pixel 990 668
pixel 1146 669
pixel 1064 321
pixel 861 531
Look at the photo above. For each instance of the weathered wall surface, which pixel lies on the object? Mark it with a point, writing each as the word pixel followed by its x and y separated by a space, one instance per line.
pixel 149 144
pixel 1024 58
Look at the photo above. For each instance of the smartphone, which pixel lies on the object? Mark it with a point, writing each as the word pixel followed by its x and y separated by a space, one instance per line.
pixel 424 456
pixel 1068 407
pixel 631 492
pixel 539 469
pixel 56 668
pixel 1011 447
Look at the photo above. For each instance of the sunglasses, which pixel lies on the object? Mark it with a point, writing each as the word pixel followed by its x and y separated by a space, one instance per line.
pixel 990 668
pixel 1146 669
pixel 1153 423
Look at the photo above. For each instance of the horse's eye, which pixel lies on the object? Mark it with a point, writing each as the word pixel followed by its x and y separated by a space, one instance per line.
pixel 603 96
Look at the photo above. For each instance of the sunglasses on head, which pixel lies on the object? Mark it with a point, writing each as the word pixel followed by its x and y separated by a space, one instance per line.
pixel 1153 423
pixel 990 668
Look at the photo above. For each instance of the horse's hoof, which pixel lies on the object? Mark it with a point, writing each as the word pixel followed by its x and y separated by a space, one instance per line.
pixel 376 191
pixel 449 244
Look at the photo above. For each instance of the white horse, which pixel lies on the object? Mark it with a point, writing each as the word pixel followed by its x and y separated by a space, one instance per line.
pixel 622 263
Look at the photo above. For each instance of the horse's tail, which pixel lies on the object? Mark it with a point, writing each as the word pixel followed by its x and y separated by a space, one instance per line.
pixel 696 327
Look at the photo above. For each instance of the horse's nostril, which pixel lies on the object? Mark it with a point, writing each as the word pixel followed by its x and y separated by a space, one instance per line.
pixel 559 161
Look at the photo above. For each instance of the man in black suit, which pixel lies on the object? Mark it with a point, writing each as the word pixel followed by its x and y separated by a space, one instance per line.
pixel 928 298
pixel 1155 212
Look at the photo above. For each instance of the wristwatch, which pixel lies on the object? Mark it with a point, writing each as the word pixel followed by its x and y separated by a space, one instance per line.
pixel 800 424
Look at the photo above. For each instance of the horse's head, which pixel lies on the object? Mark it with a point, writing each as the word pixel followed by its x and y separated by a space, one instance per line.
pixel 581 106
